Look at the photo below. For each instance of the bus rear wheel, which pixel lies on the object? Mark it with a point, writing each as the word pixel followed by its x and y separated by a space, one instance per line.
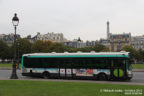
pixel 45 75
pixel 102 77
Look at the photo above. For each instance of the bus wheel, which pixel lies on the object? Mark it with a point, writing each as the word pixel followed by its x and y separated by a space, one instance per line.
pixel 129 78
pixel 45 75
pixel 102 76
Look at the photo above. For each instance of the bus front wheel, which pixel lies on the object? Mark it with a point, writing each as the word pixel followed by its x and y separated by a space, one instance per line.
pixel 45 75
pixel 102 76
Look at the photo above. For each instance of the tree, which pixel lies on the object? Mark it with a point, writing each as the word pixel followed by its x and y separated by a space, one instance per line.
pixel 46 46
pixel 57 47
pixel 100 48
pixel 86 49
pixel 24 46
pixel 28 37
pixel 4 51
pixel 70 49
pixel 141 52
pixel 37 46
pixel 41 46
pixel 134 55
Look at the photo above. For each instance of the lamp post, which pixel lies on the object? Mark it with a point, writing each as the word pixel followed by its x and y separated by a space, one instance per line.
pixel 15 22
pixel 18 55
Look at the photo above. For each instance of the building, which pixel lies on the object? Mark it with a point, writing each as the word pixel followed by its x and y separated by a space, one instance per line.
pixel 118 41
pixel 105 42
pixel 54 37
pixel 115 42
pixel 92 43
pixel 138 42
pixel 1 36
pixel 9 39
pixel 108 30
pixel 77 43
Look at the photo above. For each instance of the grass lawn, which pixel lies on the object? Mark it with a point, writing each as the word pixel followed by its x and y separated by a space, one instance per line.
pixel 49 88
pixel 5 65
pixel 138 66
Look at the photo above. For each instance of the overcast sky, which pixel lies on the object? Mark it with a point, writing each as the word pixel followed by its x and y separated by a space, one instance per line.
pixel 74 18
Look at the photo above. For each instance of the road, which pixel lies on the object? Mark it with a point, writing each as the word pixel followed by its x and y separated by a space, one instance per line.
pixel 138 78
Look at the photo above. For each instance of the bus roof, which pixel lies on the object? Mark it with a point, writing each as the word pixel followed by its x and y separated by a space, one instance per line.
pixel 79 54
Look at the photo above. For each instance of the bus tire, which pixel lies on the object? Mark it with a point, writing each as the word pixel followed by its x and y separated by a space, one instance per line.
pixel 102 76
pixel 128 78
pixel 31 73
pixel 45 75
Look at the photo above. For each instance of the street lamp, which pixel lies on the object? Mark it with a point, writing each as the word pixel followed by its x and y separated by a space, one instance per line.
pixel 18 55
pixel 15 22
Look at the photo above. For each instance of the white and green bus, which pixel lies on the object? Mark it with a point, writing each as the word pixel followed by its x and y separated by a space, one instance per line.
pixel 100 66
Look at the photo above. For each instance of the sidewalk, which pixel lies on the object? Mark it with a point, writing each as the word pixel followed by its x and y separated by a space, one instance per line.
pixel 7 69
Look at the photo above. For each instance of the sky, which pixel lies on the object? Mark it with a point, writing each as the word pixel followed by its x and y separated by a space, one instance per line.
pixel 74 18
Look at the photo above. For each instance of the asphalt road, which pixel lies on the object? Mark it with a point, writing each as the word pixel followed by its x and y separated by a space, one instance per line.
pixel 138 78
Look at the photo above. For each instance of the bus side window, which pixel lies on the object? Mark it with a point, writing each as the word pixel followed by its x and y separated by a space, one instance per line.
pixel 62 63
pixel 101 64
pixel 90 63
pixel 75 63
pixel 69 63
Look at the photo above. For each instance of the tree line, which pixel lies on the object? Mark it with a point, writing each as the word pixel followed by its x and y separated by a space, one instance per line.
pixel 24 47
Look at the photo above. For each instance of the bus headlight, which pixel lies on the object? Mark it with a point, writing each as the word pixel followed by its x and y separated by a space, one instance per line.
pixel 130 74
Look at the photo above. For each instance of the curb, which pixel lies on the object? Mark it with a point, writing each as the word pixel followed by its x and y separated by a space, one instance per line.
pixel 7 69
pixel 82 81
pixel 138 70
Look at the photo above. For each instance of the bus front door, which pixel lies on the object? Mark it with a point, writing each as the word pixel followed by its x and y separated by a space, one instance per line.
pixel 118 69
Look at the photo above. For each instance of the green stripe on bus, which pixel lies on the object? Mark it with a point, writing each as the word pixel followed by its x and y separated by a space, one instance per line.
pixel 127 64
pixel 22 63
pixel 67 56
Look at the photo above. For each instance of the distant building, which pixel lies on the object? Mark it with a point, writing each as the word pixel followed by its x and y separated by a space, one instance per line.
pixel 9 39
pixel 105 42
pixel 108 30
pixel 115 42
pixel 1 36
pixel 54 37
pixel 137 42
pixel 29 38
pixel 77 43
pixel 92 43
pixel 118 41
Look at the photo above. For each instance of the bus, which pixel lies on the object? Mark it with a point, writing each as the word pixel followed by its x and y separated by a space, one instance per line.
pixel 99 66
